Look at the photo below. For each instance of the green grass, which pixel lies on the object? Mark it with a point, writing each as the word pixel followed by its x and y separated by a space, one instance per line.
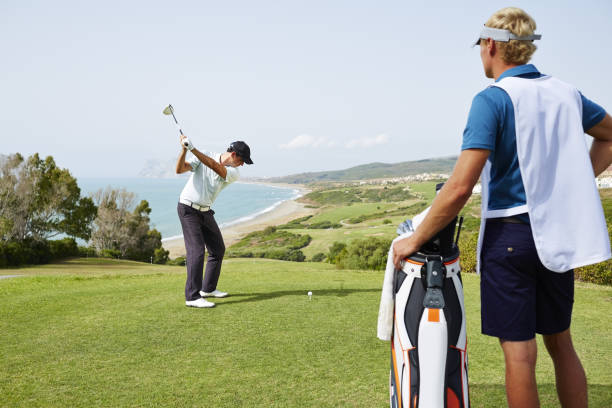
pixel 337 214
pixel 107 333
pixel 427 189
pixel 323 239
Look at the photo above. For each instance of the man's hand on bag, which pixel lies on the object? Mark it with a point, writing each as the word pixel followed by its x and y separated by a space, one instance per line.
pixel 403 248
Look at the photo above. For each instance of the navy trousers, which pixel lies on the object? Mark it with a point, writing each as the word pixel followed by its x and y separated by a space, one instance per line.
pixel 200 230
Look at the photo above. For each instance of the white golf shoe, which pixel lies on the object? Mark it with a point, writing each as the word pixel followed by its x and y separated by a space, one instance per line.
pixel 201 302
pixel 215 293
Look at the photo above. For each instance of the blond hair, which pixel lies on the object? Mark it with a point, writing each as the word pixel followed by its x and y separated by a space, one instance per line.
pixel 519 23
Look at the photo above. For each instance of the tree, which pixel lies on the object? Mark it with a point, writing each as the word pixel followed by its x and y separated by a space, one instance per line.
pixel 39 200
pixel 124 227
pixel 148 241
pixel 13 204
pixel 110 230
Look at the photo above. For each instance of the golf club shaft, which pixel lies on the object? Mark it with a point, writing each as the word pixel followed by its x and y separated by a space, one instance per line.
pixel 179 129
pixel 176 122
pixel 171 110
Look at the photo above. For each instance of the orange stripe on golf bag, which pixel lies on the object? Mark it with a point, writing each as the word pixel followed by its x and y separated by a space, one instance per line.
pixel 395 373
pixel 452 401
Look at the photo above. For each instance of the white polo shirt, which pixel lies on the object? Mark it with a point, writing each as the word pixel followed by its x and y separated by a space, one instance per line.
pixel 204 185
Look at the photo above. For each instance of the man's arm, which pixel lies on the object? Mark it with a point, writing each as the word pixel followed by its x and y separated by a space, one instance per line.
pixel 207 161
pixel 210 163
pixel 181 165
pixel 601 149
pixel 447 204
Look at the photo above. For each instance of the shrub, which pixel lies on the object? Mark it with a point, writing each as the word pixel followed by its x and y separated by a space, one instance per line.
pixel 110 253
pixel 179 261
pixel 85 252
pixel 15 253
pixel 387 221
pixel 271 243
pixel 36 252
pixel 294 224
pixel 242 254
pixel 467 249
pixel 358 219
pixel 270 238
pixel 63 248
pixel 324 225
pixel 335 250
pixel 369 253
pixel 283 254
pixel 318 257
pixel 160 256
pixel 600 273
pixel 326 197
pixel 294 255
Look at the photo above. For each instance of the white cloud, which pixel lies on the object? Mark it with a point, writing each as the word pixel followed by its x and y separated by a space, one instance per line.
pixel 303 141
pixel 368 141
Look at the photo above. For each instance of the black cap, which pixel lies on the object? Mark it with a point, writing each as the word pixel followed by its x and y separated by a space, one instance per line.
pixel 242 150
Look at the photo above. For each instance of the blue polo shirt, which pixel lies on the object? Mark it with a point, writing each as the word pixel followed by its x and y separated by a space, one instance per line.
pixel 490 126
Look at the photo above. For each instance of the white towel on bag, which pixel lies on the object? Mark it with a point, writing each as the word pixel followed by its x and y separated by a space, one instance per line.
pixel 387 297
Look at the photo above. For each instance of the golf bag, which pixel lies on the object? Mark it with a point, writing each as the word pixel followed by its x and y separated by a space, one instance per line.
pixel 429 363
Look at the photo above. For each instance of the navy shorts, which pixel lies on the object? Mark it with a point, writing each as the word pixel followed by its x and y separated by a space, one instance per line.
pixel 519 296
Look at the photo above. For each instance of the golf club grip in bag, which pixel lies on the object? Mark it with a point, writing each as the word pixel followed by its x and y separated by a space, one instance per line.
pixel 429 364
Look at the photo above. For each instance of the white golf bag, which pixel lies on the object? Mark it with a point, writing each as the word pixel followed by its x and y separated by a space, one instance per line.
pixel 429 364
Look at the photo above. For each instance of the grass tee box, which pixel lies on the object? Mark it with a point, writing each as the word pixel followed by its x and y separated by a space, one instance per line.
pixel 107 333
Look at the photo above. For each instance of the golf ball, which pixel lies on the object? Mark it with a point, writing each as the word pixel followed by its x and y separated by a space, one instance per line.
pixel 309 293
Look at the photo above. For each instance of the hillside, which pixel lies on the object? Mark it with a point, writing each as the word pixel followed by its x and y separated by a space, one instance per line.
pixel 373 171
pixel 155 168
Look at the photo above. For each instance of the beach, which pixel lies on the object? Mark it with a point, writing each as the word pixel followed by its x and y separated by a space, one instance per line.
pixel 281 214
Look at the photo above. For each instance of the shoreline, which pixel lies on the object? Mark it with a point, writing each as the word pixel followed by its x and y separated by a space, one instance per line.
pixel 281 214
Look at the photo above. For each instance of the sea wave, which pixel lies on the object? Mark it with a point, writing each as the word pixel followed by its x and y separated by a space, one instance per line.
pixel 172 238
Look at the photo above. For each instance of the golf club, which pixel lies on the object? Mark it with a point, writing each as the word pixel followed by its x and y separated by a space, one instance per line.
pixel 169 110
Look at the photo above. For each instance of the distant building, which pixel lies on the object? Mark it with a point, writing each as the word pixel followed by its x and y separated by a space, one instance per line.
pixel 604 182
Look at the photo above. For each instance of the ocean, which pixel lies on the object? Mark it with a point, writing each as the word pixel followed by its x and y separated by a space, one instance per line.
pixel 237 203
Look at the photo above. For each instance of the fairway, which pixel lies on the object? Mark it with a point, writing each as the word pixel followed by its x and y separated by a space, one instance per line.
pixel 106 333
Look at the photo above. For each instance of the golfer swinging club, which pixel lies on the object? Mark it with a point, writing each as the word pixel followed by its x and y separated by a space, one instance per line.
pixel 211 173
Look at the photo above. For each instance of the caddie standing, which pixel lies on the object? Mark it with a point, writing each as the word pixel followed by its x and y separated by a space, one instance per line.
pixel 541 212
pixel 211 173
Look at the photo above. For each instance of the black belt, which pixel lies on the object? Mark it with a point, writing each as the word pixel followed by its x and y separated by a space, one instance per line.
pixel 508 220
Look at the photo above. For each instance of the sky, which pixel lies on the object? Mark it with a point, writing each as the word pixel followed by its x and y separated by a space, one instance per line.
pixel 309 85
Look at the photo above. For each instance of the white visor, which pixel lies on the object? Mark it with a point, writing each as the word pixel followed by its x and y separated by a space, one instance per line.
pixel 498 34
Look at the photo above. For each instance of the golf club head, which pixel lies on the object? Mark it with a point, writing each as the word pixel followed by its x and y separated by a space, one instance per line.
pixel 168 110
